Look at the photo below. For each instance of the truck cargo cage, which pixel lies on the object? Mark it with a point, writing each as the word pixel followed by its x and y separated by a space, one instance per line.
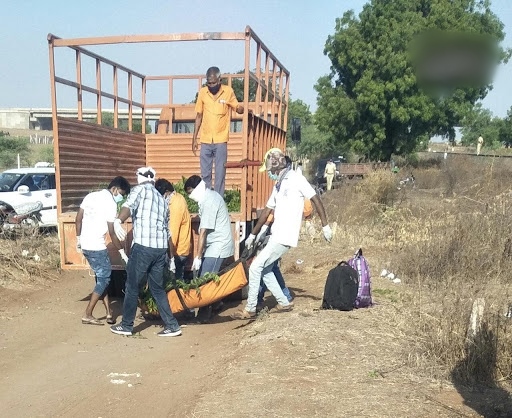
pixel 89 153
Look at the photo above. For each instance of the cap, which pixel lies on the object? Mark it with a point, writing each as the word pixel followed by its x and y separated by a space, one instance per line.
pixel 145 174
pixel 274 157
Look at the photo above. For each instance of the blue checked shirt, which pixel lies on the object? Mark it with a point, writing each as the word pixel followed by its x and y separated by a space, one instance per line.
pixel 150 216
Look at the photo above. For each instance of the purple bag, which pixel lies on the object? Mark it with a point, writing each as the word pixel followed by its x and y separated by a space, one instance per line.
pixel 364 293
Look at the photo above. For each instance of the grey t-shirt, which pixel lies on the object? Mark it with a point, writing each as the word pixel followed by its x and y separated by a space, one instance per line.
pixel 215 218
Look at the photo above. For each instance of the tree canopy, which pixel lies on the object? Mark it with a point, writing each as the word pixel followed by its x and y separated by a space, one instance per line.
pixel 10 148
pixel 371 100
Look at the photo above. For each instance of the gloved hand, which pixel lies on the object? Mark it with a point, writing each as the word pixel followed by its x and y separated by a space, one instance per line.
pixel 249 241
pixel 327 232
pixel 119 230
pixel 78 244
pixel 196 265
pixel 172 265
pixel 262 233
pixel 123 255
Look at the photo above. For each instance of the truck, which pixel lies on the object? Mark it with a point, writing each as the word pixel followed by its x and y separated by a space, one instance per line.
pixel 88 154
pixel 346 171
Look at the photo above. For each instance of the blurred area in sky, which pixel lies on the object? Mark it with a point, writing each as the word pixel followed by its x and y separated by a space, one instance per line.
pixel 445 60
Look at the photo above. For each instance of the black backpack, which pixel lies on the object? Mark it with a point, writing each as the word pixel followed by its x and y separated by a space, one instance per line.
pixel 341 288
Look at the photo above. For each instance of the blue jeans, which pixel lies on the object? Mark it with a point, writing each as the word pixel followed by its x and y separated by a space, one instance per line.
pixel 100 264
pixel 261 269
pixel 211 265
pixel 179 262
pixel 150 261
pixel 219 154
pixel 280 281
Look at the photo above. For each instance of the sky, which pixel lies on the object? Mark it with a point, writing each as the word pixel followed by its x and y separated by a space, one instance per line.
pixel 294 30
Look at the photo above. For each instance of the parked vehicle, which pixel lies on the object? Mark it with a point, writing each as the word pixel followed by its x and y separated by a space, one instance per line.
pixel 346 171
pixel 409 181
pixel 28 186
pixel 25 218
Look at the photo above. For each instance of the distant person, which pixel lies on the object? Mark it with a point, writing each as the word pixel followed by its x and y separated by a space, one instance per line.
pixel 95 217
pixel 150 248
pixel 329 173
pixel 180 226
pixel 213 106
pixel 299 168
pixel 479 144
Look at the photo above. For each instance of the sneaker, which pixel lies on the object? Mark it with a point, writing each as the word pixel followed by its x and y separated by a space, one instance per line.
pixel 285 308
pixel 119 329
pixel 243 314
pixel 169 333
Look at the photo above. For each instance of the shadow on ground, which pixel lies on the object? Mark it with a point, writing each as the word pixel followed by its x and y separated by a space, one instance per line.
pixel 475 380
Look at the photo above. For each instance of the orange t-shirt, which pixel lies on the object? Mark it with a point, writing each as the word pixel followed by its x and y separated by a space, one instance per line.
pixel 216 112
pixel 180 224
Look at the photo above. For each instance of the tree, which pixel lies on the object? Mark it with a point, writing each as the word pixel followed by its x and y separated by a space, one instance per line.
pixel 506 130
pixel 481 122
pixel 10 148
pixel 107 119
pixel 371 101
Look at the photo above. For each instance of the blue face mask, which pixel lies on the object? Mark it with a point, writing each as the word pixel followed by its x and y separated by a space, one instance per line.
pixel 118 198
pixel 214 90
pixel 272 176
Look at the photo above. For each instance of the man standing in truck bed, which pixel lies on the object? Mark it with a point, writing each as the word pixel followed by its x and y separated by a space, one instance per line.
pixel 213 107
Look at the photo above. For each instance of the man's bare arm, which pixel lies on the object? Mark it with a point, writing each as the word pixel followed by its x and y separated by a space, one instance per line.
pixel 197 126
pixel 319 206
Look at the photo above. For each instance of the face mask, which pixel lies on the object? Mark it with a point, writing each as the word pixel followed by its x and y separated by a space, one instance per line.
pixel 198 194
pixel 272 176
pixel 118 198
pixel 214 90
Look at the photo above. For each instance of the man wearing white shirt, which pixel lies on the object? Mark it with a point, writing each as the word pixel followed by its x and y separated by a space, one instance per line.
pixel 287 202
pixel 94 218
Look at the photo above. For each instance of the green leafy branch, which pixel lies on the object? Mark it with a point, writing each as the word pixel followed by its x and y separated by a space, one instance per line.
pixel 170 283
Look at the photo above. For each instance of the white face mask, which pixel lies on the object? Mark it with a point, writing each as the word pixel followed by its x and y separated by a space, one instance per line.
pixel 198 194
pixel 118 197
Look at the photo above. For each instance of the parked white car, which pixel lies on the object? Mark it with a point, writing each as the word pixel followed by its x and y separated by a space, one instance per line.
pixel 41 187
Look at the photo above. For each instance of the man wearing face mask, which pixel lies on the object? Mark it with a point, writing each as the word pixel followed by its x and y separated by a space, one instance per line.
pixel 213 106
pixel 94 218
pixel 150 248
pixel 287 202
pixel 215 242
pixel 179 226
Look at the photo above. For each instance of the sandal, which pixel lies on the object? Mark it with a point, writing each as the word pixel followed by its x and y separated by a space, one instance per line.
pixel 243 314
pixel 91 321
pixel 110 320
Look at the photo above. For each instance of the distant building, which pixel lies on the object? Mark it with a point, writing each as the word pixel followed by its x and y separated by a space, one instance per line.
pixel 41 118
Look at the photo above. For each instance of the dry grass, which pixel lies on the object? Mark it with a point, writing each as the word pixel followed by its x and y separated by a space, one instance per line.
pixel 28 262
pixel 449 240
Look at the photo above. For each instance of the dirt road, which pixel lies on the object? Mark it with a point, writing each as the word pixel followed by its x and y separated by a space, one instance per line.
pixel 52 365
pixel 306 363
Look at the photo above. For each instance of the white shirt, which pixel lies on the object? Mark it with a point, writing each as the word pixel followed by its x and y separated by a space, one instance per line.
pixel 288 205
pixel 99 208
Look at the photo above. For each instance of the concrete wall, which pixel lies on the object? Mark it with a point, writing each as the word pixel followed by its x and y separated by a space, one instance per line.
pixel 14 119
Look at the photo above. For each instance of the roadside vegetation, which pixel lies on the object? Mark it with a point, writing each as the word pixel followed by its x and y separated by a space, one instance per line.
pixel 449 239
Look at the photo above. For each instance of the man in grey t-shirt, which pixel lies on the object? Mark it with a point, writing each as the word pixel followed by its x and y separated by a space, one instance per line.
pixel 215 242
